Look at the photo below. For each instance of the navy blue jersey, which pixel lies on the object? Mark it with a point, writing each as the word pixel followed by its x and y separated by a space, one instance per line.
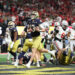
pixel 35 34
pixel 12 31
pixel 33 23
pixel 26 59
pixel 36 23
pixel 28 36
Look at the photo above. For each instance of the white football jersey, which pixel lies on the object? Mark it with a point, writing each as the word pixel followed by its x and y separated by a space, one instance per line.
pixel 72 35
pixel 66 31
pixel 59 34
pixel 43 26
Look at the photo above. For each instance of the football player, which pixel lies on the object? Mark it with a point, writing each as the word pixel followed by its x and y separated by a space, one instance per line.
pixel 27 44
pixel 72 37
pixel 37 47
pixel 58 35
pixel 12 48
pixel 28 38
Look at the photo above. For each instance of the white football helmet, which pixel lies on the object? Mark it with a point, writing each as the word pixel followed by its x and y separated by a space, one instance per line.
pixel 59 19
pixel 64 22
pixel 73 25
pixel 11 24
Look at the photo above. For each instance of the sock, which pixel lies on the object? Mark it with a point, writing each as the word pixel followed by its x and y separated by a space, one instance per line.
pixel 14 54
pixel 17 62
pixel 38 63
pixel 51 58
pixel 8 57
pixel 29 63
pixel 51 52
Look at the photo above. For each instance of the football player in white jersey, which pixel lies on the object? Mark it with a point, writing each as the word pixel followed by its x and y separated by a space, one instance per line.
pixel 67 55
pixel 58 35
pixel 72 37
pixel 44 27
pixel 65 28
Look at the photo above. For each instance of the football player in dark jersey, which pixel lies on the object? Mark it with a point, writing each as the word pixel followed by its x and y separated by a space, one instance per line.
pixel 37 47
pixel 12 48
pixel 27 44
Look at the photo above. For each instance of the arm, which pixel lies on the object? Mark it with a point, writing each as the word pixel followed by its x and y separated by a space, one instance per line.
pixel 15 36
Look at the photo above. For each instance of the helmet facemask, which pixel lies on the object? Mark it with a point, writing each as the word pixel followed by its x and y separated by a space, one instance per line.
pixel 64 27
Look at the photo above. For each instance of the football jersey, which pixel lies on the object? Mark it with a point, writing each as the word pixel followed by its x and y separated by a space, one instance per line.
pixel 12 30
pixel 36 23
pixel 72 35
pixel 59 34
pixel 43 26
pixel 28 35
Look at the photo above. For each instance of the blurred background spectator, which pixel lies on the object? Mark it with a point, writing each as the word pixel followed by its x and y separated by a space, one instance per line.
pixel 18 10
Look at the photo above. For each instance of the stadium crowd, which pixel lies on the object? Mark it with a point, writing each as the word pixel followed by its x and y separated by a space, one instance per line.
pixel 37 16
pixel 17 10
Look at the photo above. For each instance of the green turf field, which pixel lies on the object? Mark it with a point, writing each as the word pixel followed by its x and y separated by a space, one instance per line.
pixel 49 69
pixel 3 57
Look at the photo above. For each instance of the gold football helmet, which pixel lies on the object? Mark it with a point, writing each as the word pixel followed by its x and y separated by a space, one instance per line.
pixel 11 24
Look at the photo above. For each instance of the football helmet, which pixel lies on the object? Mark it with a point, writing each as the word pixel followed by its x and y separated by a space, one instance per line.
pixel 34 15
pixel 11 24
pixel 59 19
pixel 73 25
pixel 64 24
